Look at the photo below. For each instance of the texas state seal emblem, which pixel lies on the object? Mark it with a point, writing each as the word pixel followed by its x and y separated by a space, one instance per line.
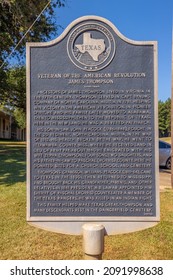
pixel 91 46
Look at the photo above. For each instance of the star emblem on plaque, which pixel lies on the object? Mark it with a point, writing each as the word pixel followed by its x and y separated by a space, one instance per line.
pixel 91 47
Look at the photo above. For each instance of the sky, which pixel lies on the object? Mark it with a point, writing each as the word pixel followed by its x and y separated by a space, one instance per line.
pixel 139 20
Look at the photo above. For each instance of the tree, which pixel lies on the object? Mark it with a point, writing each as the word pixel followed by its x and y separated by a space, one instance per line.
pixel 3 83
pixel 164 118
pixel 168 119
pixel 17 16
pixel 14 95
pixel 20 118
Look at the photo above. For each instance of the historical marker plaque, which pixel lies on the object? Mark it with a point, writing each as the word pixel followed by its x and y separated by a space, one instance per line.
pixel 92 127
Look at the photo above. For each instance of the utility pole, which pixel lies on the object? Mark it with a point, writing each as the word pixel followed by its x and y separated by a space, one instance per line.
pixel 172 118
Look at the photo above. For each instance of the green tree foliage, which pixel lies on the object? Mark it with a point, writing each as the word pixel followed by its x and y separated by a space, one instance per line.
pixel 15 93
pixel 17 16
pixel 3 84
pixel 20 117
pixel 164 118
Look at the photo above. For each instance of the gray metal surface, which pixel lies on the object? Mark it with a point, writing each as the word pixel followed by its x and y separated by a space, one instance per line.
pixel 92 138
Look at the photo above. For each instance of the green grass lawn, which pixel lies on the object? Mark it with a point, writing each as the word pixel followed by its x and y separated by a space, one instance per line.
pixel 18 240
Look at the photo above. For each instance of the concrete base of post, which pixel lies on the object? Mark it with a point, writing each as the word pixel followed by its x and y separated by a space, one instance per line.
pixel 93 241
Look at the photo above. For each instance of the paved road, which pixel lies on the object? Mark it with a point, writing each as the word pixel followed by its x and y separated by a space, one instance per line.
pixel 165 179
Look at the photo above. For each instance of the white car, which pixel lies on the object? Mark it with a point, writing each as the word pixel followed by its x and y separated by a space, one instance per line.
pixel 164 154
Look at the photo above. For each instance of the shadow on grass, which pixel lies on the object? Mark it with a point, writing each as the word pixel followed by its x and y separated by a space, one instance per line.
pixel 12 164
